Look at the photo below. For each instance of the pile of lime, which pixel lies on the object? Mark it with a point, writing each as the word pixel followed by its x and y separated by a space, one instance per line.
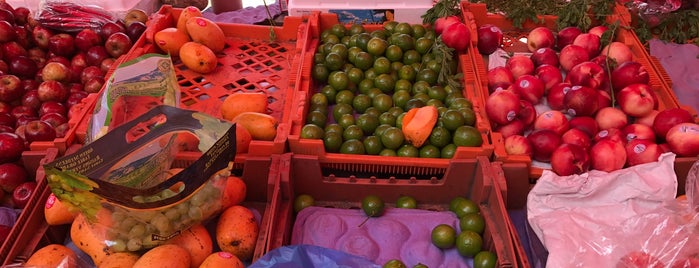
pixel 369 80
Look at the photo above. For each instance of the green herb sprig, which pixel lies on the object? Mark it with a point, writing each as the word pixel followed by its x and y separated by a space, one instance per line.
pixel 442 8
pixel 679 27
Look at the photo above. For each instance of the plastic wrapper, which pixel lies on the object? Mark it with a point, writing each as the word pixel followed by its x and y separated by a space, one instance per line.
pixel 134 88
pixel 302 256
pixel 72 16
pixel 130 194
pixel 626 218
pixel 653 11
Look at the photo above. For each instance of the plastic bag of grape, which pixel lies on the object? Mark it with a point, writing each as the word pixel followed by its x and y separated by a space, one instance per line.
pixel 124 184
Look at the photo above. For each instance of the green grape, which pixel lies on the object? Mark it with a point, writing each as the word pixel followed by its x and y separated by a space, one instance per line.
pixel 147 242
pixel 137 230
pixel 134 244
pixel 139 199
pixel 146 216
pixel 182 208
pixel 119 245
pixel 127 223
pixel 172 214
pixel 118 216
pixel 195 214
pixel 167 193
pixel 198 199
pixel 152 198
pixel 161 223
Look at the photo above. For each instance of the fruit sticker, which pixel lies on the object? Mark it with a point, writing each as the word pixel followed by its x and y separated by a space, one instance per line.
pixel 225 255
pixel 50 201
pixel 201 22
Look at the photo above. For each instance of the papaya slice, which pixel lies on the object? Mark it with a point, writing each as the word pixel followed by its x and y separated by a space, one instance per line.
pixel 418 124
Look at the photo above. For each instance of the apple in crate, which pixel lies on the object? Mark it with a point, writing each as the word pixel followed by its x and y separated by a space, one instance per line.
pixel 515 127
pixel 549 74
pixel 572 55
pixel 7 32
pixel 581 101
pixel 56 71
pixel 578 137
pixel 613 134
pixel 636 100
pixel 683 139
pixel 135 15
pixel 668 118
pixel 566 36
pixel 10 89
pixel 52 91
pixel 598 30
pixel 540 37
pixel 38 130
pixel 638 131
pixel 641 151
pixel 11 176
pixel 23 193
pixel 588 74
pixel 589 42
pixel 499 76
pixel 11 147
pixel 607 155
pixel 556 95
pixel 441 23
pixel 618 51
pixel 41 35
pixel 520 65
pixel 544 142
pixel 489 38
pixel 527 113
pixel 457 36
pixel 62 44
pixel 552 120
pixel 570 159
pixel 529 88
pixel 545 55
pixel 627 73
pixel 118 44
pixel 518 145
pixel 502 106
pixel 87 38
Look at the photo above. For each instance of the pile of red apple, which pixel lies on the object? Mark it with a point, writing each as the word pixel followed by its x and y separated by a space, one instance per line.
pixel 43 74
pixel 556 105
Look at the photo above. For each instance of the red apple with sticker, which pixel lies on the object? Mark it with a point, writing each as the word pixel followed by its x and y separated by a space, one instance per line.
pixel 613 134
pixel 556 95
pixel 641 151
pixel 540 37
pixel 515 127
pixel 611 117
pixel 502 106
pixel 608 155
pixel 566 36
pixel 668 118
pixel 578 137
pixel 638 131
pixel 683 139
pixel 588 74
pixel 518 145
pixel 529 88
pixel 572 55
pixel 545 55
pixel 520 65
pixel 544 142
pixel 570 159
pixel 552 120
pixel 549 74
pixel 581 101
pixel 489 38
pixel 499 76
pixel 636 100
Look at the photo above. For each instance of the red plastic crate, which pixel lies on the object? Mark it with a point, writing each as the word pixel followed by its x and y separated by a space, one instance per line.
pixel 260 174
pixel 308 87
pixel 519 170
pixel 32 161
pixel 470 178
pixel 250 62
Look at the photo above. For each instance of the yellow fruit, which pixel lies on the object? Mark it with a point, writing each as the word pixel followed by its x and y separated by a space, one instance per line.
pixel 197 241
pixel 241 102
pixel 222 260
pixel 165 256
pixel 234 193
pixel 89 239
pixel 261 126
pixel 53 255
pixel 56 213
pixel 237 231
pixel 187 12
pixel 198 57
pixel 170 40
pixel 119 259
pixel 206 32
pixel 242 140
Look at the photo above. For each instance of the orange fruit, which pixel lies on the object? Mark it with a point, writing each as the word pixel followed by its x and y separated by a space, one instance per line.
pixel 198 57
pixel 53 255
pixel 240 102
pixel 237 231
pixel 197 241
pixel 119 259
pixel 57 213
pixel 169 40
pixel 234 193
pixel 206 32
pixel 222 259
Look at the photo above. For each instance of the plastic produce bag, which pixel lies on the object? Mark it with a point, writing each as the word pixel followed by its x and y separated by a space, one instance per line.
pixel 72 17
pixel 130 194
pixel 619 219
pixel 306 256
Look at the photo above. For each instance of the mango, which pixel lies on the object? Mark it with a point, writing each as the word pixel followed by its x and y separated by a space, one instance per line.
pixel 261 126
pixel 170 40
pixel 206 32
pixel 237 231
pixel 187 12
pixel 241 102
pixel 198 57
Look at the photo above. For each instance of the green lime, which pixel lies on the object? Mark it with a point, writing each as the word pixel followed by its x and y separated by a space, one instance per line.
pixel 431 34
pixel 462 206
pixel 340 49
pixel 472 222
pixel 395 67
pixel 365 85
pixel 485 259
pixel 338 30
pixel 401 98
pixel 320 73
pixel 434 65
pixel 356 28
pixel 440 137
pixel 451 120
pixel 467 136
pixel 338 80
pixel 353 146
pixel 392 138
pixel 396 111
pixel 468 243
pixel 355 75
pixel 329 92
pixel 411 56
pixel 429 151
pixel 385 82
pixel 403 28
pixel 380 130
pixel 403 85
pixel 376 46
pixel 408 150
pixel 332 142
pixel 435 102
pixel 418 30
pixel 423 45
pixel 346 120
pixel 372 145
pixel 363 61
pixel 317 118
pixel 302 201
pixel 414 103
pixel 334 127
pixel 344 96
pixel 352 53
pixel 340 109
pixel 382 102
pixel 387 152
pixel 331 39
pixel 469 116
pixel 459 103
pixel 382 65
pixel 451 96
pixel 420 265
pixel 372 206
pixel 394 53
pixel 389 26
pixel 319 100
pixel 367 122
pixel 405 201
pixel 352 132
pixel 387 118
pixel 370 73
pixel 318 58
pixel 379 34
pixel 334 61
pixel 422 96
pixel 420 87
pixel 437 92
pixel 427 75
pixel 448 151
pixel 311 131
pixel 394 264
pixel 361 102
pixel 363 40
pixel 373 92
pixel 373 111
pixel 404 41
pixel 407 72
pixel 443 236
pixel 399 120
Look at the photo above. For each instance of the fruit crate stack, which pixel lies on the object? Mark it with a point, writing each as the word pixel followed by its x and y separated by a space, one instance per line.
pixel 520 169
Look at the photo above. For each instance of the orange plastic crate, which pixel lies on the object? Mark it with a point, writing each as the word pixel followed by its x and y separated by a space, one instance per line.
pixel 470 178
pixel 261 175
pixel 32 161
pixel 519 169
pixel 308 87
pixel 250 62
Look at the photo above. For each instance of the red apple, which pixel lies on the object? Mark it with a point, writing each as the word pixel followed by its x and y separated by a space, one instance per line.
pixel 22 194
pixel 601 60
pixel 24 36
pixel 7 129
pixel 611 117
pixel 87 38
pixel 79 60
pixel 636 100
pixel 544 142
pixel 62 44
pixel 52 91
pixel 38 130
pixel 638 131
pixel 52 107
pixel 641 151
pixel 31 99
pixel 5 107
pixel 556 95
pixel 6 119
pixel 529 88
pixel 54 119
pixel 11 147
pixel 527 113
pixel 23 120
pixel 499 76
pixel 608 155
pixel 94 85
pixel 13 49
pixel 11 176
pixel 56 71
pixel 540 37
pixel 518 145
pixel 544 55
pixel 21 110
pixel 60 59
pixel 683 139
pixel 548 74
pixel 520 65
pixel 627 73
pixel 75 98
pixel 4 68
pixel 515 127
pixel 552 120
pixel 23 67
pixel 613 134
pixel 135 30
pixel 21 15
pixel 578 137
pixel 598 30
pixel 489 38
pixel 638 259
pixel 581 101
pixel 41 36
pixel 62 130
pixel 572 55
pixel 95 55
pixel 648 119
pixel 604 99
pixel 569 159
pixel 75 73
pixel 107 64
pixel 10 89
pixel 588 74
pixel 119 43
pixel 617 51
pixel 6 12
pixel 502 106
pixel 566 36
pixel 442 22
pixel 7 32
pixel 668 118
pixel 589 42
